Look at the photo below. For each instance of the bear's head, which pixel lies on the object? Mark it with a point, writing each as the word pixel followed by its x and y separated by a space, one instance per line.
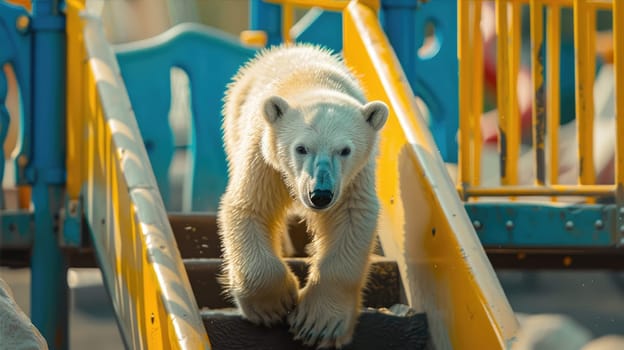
pixel 319 145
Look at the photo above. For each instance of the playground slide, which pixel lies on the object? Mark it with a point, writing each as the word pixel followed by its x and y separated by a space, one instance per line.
pixel 423 224
pixel 424 228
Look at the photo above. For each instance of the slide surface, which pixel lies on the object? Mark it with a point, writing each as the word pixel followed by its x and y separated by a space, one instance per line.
pixel 424 225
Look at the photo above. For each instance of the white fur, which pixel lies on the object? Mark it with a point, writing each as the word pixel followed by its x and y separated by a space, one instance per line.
pixel 296 122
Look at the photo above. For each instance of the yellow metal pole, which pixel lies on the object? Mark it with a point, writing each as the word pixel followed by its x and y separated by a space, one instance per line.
pixel 598 4
pixel 584 93
pixel 515 32
pixel 332 5
pixel 465 75
pixel 618 58
pixel 552 190
pixel 507 134
pixel 513 108
pixel 553 33
pixel 288 14
pixel 477 92
pixel 537 70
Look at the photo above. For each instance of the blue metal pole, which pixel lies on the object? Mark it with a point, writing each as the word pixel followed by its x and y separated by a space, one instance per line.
pixel 400 26
pixel 4 128
pixel 432 77
pixel 266 17
pixel 46 173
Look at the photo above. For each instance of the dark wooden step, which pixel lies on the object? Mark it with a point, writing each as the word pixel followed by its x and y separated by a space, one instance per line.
pixel 559 258
pixel 383 288
pixel 196 235
pixel 376 329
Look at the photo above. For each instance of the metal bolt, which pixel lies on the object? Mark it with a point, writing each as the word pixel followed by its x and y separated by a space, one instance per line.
pixel 22 23
pixel 509 224
pixel 599 224
pixel 621 210
pixel 477 224
pixel 622 228
pixel 73 208
pixel 569 225
pixel 22 160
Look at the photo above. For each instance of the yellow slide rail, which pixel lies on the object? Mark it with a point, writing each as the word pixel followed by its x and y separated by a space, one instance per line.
pixel 108 167
pixel 546 114
pixel 423 224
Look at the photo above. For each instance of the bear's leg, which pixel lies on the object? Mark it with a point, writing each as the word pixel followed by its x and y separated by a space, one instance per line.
pixel 260 282
pixel 329 304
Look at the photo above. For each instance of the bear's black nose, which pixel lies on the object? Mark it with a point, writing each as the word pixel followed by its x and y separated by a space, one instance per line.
pixel 321 198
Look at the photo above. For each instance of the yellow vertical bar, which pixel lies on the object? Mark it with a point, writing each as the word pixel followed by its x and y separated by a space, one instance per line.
pixel 618 59
pixel 503 93
pixel 465 75
pixel 591 69
pixel 553 33
pixel 288 14
pixel 477 92
pixel 584 93
pixel 76 99
pixel 537 79
pixel 591 42
pixel 513 107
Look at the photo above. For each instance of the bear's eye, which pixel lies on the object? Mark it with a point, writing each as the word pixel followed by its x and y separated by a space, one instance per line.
pixel 301 150
pixel 345 151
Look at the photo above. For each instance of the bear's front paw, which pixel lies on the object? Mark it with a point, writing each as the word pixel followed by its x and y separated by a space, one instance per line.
pixel 267 302
pixel 324 317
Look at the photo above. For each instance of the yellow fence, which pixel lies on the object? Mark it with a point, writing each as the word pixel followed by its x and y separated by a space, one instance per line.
pixel 544 16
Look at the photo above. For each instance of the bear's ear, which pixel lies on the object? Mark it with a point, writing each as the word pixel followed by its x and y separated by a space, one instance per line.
pixel 375 113
pixel 274 108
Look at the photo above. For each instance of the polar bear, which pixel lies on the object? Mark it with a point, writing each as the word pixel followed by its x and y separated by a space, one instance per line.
pixel 299 135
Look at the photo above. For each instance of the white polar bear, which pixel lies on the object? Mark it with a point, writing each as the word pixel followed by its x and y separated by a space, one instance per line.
pixel 299 134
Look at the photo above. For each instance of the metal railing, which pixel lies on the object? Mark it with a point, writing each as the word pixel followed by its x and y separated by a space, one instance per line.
pixel 545 41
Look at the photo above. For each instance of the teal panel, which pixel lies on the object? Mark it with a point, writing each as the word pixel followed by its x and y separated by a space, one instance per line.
pixel 210 58
pixel 17 230
pixel 503 224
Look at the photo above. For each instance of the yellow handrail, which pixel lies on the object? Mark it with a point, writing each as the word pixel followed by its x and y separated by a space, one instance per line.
pixel 331 5
pixel 108 168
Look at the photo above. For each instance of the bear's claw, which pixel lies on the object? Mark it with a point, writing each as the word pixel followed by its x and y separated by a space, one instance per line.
pixel 317 320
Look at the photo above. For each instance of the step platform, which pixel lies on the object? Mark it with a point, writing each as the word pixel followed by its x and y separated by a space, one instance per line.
pixel 390 329
pixel 385 323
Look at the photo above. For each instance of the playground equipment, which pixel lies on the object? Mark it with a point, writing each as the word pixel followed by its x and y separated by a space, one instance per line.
pixel 96 148
pixel 550 233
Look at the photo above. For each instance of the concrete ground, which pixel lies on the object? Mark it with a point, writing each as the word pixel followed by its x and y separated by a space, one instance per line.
pixel 92 320
pixel 594 299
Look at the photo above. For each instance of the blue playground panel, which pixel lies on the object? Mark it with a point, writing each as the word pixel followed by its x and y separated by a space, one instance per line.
pixel 507 225
pixel 145 67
